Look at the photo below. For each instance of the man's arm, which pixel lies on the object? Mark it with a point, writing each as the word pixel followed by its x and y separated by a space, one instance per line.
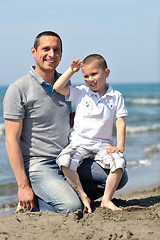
pixel 60 84
pixel 73 179
pixel 121 133
pixel 13 129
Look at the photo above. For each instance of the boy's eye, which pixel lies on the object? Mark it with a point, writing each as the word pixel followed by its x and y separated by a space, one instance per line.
pixel 93 74
pixel 86 76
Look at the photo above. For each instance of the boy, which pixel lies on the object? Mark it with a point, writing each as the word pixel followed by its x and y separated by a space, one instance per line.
pixel 96 106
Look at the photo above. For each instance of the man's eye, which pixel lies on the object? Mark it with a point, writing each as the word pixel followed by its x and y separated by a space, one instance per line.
pixel 57 51
pixel 46 49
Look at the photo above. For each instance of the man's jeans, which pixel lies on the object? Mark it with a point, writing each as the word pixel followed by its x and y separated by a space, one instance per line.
pixel 54 192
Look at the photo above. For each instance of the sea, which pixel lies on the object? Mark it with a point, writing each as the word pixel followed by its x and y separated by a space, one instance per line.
pixel 142 148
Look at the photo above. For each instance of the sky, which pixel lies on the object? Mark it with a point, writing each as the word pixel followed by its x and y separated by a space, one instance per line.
pixel 125 32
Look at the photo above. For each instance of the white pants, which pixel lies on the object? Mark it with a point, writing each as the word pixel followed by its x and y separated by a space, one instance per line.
pixel 72 156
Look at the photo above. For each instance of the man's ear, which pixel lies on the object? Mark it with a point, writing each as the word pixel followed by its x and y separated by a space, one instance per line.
pixel 107 72
pixel 33 52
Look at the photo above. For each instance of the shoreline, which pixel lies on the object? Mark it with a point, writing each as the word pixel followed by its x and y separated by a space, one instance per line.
pixel 139 178
pixel 139 220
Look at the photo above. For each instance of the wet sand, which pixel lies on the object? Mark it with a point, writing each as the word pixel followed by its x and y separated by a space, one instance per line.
pixel 139 219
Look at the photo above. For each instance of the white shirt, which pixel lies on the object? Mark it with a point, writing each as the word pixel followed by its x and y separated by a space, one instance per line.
pixel 94 116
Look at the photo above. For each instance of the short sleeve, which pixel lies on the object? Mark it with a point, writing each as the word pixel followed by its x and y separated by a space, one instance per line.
pixel 13 104
pixel 121 110
pixel 73 94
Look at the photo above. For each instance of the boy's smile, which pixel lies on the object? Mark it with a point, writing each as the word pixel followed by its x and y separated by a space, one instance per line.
pixel 95 77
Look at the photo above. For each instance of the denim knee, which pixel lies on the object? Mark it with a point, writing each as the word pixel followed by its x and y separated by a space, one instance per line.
pixel 69 206
pixel 73 205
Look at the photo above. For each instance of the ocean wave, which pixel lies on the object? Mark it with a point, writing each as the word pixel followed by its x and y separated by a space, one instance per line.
pixel 2 129
pixel 129 129
pixel 8 208
pixel 139 163
pixel 142 129
pixel 153 149
pixel 143 101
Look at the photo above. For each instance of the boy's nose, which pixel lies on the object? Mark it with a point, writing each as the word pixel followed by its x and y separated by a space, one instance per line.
pixel 91 79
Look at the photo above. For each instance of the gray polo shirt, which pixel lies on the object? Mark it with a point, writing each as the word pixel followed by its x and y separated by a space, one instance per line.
pixel 45 117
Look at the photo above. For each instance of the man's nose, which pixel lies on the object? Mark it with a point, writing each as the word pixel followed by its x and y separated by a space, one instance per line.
pixel 51 52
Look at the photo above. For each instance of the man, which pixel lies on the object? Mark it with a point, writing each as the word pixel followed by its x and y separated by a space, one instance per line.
pixel 37 129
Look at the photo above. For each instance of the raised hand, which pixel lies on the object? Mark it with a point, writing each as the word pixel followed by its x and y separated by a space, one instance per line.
pixel 76 65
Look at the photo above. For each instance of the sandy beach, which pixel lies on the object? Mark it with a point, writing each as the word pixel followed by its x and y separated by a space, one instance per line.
pixel 139 219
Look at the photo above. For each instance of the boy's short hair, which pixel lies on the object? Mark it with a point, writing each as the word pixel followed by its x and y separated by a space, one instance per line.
pixel 45 33
pixel 95 57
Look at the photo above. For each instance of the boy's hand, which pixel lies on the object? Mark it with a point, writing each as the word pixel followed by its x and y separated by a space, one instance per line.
pixel 113 149
pixel 76 65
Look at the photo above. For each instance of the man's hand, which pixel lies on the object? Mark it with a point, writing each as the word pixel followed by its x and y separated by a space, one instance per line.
pixel 26 197
pixel 86 201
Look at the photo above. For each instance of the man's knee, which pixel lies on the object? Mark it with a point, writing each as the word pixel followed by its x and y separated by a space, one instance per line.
pixel 70 205
pixel 73 205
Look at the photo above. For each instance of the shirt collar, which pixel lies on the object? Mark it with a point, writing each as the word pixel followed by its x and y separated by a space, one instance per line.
pixel 47 86
pixel 35 75
pixel 108 93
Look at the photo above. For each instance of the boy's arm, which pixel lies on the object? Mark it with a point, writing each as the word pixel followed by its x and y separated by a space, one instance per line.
pixel 60 84
pixel 121 133
pixel 73 179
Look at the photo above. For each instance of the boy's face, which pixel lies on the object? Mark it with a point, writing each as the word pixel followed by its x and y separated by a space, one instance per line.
pixel 95 77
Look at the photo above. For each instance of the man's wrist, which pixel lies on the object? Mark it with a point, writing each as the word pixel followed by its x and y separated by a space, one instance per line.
pixel 23 185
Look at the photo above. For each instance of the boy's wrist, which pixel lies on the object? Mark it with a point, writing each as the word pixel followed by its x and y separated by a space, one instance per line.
pixel 121 149
pixel 71 70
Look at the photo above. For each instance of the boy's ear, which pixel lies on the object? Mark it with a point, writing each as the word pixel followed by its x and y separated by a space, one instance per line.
pixel 107 72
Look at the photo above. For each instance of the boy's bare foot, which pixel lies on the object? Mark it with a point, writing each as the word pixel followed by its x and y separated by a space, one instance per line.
pixel 110 205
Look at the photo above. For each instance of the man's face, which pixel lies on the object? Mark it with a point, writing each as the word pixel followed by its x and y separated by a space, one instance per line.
pixel 48 54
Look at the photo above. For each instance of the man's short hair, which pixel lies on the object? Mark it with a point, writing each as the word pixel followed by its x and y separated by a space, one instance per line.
pixel 45 33
pixel 93 58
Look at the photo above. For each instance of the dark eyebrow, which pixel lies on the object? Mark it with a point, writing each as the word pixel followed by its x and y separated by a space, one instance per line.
pixel 45 47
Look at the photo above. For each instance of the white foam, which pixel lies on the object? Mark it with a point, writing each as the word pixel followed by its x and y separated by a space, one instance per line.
pixel 143 101
pixel 138 163
pixel 139 129
pixel 2 129
pixel 153 149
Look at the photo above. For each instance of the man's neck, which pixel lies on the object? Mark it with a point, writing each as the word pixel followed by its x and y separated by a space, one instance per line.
pixel 48 77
